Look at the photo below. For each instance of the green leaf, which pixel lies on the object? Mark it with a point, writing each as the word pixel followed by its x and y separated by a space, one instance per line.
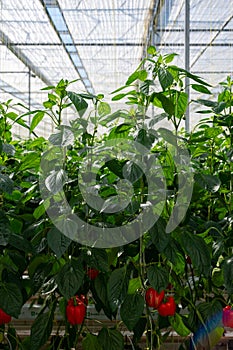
pixel 151 50
pixel 159 236
pixel 220 107
pixel 36 120
pixel 168 136
pixel 228 273
pixel 111 339
pixel 57 241
pixel 12 115
pixel 177 323
pixel 49 104
pixel 80 104
pixel 30 161
pixel 64 137
pixel 120 88
pixel 145 87
pixel 215 336
pixel 36 262
pixel 41 330
pixel 11 299
pixel 6 184
pixel 131 310
pixel 212 132
pixel 181 101
pixel 16 225
pixel 55 181
pixel 132 78
pixel 26 344
pixel 206 103
pixel 91 342
pixel 201 88
pixel 40 275
pixel 211 313
pixel 132 172
pixel 110 118
pixel 145 138
pixel 142 75
pixel 50 87
pixel 12 337
pixel 158 277
pixel 172 252
pixel 17 119
pixel 8 149
pixel 190 75
pixel 101 296
pixel 99 259
pixel 120 131
pixel 134 285
pixel 169 58
pixel 167 104
pixel 198 251
pixel 101 288
pixel 119 97
pixel 40 210
pixel 165 78
pixel 104 109
pixel 208 182
pixel 115 166
pixel 19 242
pixel 70 278
pixel 5 230
pixel 118 287
pixel 139 329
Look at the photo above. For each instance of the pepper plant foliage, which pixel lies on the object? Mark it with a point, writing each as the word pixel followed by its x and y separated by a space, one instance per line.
pixel 193 263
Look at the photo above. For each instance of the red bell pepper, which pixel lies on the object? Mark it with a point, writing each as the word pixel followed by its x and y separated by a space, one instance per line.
pixel 153 298
pixel 76 309
pixel 168 308
pixel 4 318
pixel 227 316
pixel 92 273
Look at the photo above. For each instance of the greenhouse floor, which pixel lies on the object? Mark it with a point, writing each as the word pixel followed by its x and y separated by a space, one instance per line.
pixel 173 341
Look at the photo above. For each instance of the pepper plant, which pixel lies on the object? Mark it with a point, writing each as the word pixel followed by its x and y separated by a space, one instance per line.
pixel 184 256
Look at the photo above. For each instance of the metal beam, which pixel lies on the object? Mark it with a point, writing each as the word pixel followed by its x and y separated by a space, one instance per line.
pixel 78 44
pixel 122 44
pixel 56 18
pixel 211 43
pixel 21 95
pixel 192 30
pixel 196 44
pixel 23 58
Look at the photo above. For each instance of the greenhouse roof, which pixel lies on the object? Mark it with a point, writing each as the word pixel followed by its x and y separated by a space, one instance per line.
pixel 101 42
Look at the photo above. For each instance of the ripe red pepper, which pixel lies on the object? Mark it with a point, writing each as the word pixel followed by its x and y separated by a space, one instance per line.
pixel 92 273
pixel 227 316
pixel 4 318
pixel 153 298
pixel 76 309
pixel 168 308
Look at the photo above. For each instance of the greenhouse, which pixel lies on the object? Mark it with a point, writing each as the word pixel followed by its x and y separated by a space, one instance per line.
pixel 116 174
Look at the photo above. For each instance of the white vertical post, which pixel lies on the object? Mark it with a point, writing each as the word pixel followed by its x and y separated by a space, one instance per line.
pixel 29 97
pixel 187 58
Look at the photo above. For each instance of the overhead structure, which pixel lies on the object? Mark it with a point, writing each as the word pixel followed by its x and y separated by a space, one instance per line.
pixel 101 42
pixel 210 39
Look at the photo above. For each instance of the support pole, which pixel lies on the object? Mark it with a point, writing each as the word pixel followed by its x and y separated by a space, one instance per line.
pixel 187 58
pixel 29 97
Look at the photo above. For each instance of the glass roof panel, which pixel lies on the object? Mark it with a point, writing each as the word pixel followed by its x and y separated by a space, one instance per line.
pixel 104 41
